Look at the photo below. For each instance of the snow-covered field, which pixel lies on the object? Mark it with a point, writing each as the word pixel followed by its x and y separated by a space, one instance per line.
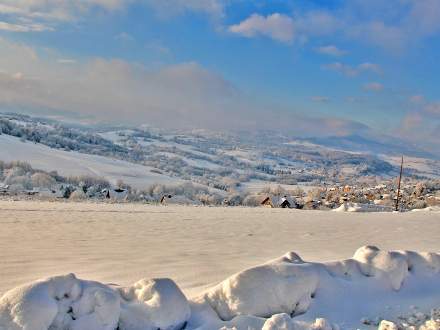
pixel 256 186
pixel 427 167
pixel 70 163
pixel 198 247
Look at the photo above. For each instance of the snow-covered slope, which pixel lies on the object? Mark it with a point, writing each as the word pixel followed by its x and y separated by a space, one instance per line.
pixel 70 163
pixel 207 157
pixel 204 157
pixel 424 166
pixel 286 293
pixel 371 144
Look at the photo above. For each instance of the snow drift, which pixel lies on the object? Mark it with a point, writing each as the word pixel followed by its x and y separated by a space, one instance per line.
pixel 360 207
pixel 65 302
pixel 428 209
pixel 285 293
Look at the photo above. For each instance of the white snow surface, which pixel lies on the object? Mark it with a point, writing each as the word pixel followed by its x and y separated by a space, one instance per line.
pixel 198 245
pixel 286 293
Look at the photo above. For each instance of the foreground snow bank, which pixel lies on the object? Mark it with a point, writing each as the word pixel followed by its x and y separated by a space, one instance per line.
pixel 285 294
pixel 65 302
pixel 428 209
pixel 372 285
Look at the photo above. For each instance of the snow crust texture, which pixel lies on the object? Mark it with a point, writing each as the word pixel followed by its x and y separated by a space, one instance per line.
pixel 284 294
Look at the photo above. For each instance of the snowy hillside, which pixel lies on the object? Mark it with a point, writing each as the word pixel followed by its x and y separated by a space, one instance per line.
pixel 223 161
pixel 71 163
pixel 377 145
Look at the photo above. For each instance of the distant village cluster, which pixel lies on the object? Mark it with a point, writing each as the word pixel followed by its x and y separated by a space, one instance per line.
pixel 381 197
pixel 19 180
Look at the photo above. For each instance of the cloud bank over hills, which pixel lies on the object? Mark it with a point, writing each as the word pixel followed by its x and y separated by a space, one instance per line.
pixel 305 68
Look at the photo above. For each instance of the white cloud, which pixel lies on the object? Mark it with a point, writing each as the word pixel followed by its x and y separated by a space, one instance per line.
pixel 124 37
pixel 354 99
pixel 380 34
pixel 417 99
pixel 56 9
pixel 331 50
pixel 320 99
pixel 424 17
pixel 342 68
pixel 115 90
pixel 433 109
pixel 374 87
pixel 316 23
pixel 32 27
pixel 42 15
pixel 352 71
pixel 276 26
pixel 393 25
pixel 157 47
pixel 183 95
pixel 286 28
pixel 411 121
pixel 371 67
pixel 169 8
pixel 422 123
pixel 66 61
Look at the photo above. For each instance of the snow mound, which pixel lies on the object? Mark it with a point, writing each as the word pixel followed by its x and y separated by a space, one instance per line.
pixel 67 303
pixel 340 291
pixel 153 304
pixel 266 290
pixel 279 322
pixel 286 293
pixel 285 322
pixel 359 207
pixel 428 209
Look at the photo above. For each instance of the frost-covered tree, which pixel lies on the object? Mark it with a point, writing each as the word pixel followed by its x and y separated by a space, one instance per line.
pixel 42 180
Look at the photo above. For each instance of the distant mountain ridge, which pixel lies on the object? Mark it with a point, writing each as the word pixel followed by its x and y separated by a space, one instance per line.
pixel 380 145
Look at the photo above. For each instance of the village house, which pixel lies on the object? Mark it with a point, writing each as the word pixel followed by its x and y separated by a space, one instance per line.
pixel 279 202
pixel 177 200
pixel 287 202
pixel 165 198
pixel 268 202
pixel 117 194
pixel 4 189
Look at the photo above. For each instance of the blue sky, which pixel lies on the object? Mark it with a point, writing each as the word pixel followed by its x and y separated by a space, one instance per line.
pixel 306 66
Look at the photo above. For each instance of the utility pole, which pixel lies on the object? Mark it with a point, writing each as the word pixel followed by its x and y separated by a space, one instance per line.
pixel 398 186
